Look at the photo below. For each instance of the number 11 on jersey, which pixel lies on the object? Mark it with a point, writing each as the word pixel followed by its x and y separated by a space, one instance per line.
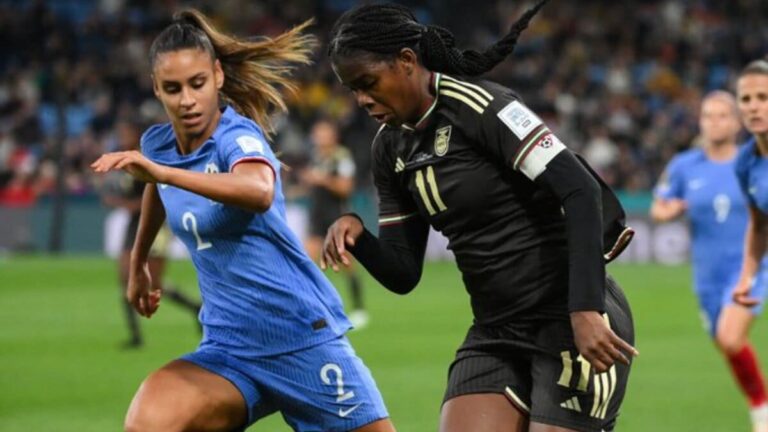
pixel 421 186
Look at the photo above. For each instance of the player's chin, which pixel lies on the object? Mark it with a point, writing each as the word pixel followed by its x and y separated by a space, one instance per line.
pixel 392 121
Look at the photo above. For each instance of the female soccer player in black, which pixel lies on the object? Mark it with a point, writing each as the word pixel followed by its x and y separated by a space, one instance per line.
pixel 530 224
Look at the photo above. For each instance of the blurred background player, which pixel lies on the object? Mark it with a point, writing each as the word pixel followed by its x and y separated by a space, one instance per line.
pixel 331 181
pixel 702 183
pixel 121 190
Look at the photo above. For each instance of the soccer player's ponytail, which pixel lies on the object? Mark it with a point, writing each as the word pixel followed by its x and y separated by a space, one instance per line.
pixel 255 71
pixel 383 30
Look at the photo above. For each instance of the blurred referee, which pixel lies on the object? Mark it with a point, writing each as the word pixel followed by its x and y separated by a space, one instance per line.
pixel 121 190
pixel 331 181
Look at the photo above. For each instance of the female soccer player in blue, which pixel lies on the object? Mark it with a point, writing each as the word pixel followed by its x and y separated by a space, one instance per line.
pixel 752 173
pixel 273 325
pixel 702 183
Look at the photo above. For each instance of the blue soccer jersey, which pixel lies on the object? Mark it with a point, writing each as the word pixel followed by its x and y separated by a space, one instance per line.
pixel 752 174
pixel 261 294
pixel 718 215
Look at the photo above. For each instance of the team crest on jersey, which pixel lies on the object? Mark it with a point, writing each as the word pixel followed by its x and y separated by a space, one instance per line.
pixel 211 168
pixel 442 138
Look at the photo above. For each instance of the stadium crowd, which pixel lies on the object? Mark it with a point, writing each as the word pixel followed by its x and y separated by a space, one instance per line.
pixel 622 80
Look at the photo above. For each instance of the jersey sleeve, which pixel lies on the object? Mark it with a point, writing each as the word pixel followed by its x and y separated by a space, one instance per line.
pixel 395 205
pixel 243 144
pixel 149 141
pixel 512 132
pixel 671 184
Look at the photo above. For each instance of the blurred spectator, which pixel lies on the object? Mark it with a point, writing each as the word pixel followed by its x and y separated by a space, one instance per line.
pixel 620 80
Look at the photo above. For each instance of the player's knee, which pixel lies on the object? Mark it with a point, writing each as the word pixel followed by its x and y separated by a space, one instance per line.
pixel 144 418
pixel 149 412
pixel 729 343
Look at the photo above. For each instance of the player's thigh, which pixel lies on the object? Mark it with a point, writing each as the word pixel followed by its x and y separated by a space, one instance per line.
pixel 182 396
pixel 733 328
pixel 567 393
pixel 383 425
pixel 539 427
pixel 487 388
pixel 325 387
pixel 484 412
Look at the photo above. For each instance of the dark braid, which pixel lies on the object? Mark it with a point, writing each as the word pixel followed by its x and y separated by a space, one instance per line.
pixel 385 29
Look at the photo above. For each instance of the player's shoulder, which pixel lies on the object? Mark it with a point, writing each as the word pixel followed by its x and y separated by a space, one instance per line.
pixel 384 139
pixel 473 97
pixel 746 154
pixel 236 129
pixel 688 158
pixel 384 146
pixel 156 138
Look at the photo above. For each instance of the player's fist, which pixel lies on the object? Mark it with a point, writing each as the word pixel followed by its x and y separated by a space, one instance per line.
pixel 140 293
pixel 344 232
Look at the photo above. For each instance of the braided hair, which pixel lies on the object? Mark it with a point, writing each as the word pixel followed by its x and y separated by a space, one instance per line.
pixel 382 30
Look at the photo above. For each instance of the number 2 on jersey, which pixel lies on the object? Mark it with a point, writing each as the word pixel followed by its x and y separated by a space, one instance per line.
pixel 190 217
pixel 421 186
pixel 324 375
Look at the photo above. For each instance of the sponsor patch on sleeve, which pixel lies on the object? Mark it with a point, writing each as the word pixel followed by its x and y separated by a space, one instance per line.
pixel 519 119
pixel 250 144
pixel 538 155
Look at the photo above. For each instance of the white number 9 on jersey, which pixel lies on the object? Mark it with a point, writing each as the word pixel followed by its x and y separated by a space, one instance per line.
pixel 722 206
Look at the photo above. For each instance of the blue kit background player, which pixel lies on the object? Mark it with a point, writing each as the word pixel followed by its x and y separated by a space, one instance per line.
pixel 273 324
pixel 701 182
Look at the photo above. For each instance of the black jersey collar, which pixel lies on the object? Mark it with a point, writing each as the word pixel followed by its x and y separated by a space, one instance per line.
pixel 434 81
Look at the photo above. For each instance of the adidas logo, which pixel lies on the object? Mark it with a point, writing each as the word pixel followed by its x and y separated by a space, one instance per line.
pixel 572 404
pixel 399 165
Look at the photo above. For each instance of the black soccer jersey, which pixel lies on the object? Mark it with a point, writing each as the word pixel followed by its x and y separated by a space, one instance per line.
pixel 467 169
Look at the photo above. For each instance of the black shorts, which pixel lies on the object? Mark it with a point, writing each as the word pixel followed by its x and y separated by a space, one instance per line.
pixel 320 221
pixel 537 366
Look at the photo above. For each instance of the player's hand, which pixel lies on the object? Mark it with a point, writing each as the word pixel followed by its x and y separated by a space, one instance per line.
pixel 134 163
pixel 665 210
pixel 741 294
pixel 140 293
pixel 344 232
pixel 676 207
pixel 597 343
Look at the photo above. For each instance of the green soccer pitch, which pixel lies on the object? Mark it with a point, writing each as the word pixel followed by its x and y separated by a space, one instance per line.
pixel 61 368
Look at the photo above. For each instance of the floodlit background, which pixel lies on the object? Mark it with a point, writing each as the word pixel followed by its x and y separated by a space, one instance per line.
pixel 619 82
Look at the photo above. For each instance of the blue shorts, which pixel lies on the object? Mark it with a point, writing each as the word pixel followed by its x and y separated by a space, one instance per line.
pixel 714 297
pixel 322 388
